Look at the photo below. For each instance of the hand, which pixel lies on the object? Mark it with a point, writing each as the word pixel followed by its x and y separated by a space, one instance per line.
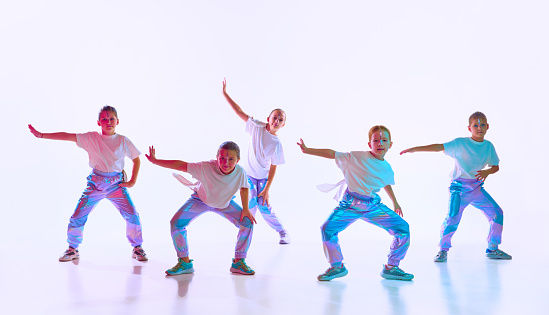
pixel 151 156
pixel 224 86
pixel 127 184
pixel 35 132
pixel 302 145
pixel 482 175
pixel 247 214
pixel 410 150
pixel 265 195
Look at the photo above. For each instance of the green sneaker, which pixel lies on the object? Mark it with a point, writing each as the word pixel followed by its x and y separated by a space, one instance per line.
pixel 395 273
pixel 181 268
pixel 241 267
pixel 442 256
pixel 332 273
pixel 497 254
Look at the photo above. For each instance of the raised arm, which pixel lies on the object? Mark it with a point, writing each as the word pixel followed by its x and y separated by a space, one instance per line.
pixel 426 148
pixel 325 153
pixel 234 105
pixel 172 164
pixel 135 172
pixel 389 190
pixel 53 136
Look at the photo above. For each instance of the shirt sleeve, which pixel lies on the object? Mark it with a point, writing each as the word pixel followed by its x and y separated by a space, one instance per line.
pixel 342 160
pixel 194 169
pixel 450 148
pixel 251 124
pixel 494 159
pixel 278 158
pixel 131 151
pixel 84 140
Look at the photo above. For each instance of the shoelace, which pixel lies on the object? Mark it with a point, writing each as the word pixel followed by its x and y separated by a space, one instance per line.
pixel 243 265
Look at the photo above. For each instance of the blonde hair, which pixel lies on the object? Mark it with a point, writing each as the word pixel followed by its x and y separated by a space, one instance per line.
pixel 378 128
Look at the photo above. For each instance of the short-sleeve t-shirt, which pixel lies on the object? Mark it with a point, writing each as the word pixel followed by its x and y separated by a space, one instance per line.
pixel 265 149
pixel 470 156
pixel 106 153
pixel 364 174
pixel 215 188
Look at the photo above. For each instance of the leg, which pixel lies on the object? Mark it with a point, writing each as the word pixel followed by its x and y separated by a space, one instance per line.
pixel 245 228
pixel 382 216
pixel 483 201
pixel 89 199
pixel 120 198
pixel 339 220
pixel 458 202
pixel 178 224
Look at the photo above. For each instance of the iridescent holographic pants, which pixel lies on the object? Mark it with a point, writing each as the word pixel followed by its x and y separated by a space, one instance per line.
pixel 464 192
pixel 256 187
pixel 100 186
pixel 353 207
pixel 193 208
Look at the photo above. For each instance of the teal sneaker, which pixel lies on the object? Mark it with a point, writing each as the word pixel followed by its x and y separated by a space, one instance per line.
pixel 241 267
pixel 497 254
pixel 181 268
pixel 332 273
pixel 442 256
pixel 395 273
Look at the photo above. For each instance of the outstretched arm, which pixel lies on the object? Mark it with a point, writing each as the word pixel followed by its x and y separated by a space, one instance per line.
pixel 53 136
pixel 426 148
pixel 483 174
pixel 325 153
pixel 173 164
pixel 234 105
pixel 135 172
pixel 389 190
pixel 245 210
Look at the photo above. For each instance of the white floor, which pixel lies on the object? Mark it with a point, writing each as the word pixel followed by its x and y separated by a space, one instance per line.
pixel 105 280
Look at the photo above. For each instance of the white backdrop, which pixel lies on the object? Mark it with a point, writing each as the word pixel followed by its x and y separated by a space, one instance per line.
pixel 336 68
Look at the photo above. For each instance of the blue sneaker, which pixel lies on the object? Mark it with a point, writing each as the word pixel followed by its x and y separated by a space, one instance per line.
pixel 332 273
pixel 497 254
pixel 395 273
pixel 241 267
pixel 181 268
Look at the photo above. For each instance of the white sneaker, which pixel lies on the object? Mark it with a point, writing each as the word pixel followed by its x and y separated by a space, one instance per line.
pixel 284 237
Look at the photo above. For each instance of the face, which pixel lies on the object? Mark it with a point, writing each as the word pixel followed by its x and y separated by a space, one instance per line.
pixel 478 128
pixel 276 120
pixel 380 144
pixel 227 160
pixel 108 122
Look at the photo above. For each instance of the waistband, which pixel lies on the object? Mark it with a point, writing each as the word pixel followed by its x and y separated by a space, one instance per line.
pixel 105 174
pixel 359 196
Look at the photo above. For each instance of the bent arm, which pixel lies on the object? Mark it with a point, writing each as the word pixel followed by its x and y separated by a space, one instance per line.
pixel 265 192
pixel 239 112
pixel 426 148
pixel 53 136
pixel 244 193
pixel 389 190
pixel 483 174
pixel 325 153
pixel 135 172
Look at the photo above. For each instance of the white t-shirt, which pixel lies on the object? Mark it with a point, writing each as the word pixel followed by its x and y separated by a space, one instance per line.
pixel 215 188
pixel 106 153
pixel 470 156
pixel 265 149
pixel 364 174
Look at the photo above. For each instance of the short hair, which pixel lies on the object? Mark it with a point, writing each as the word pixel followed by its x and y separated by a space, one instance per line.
pixel 378 128
pixel 230 146
pixel 476 116
pixel 107 108
pixel 276 110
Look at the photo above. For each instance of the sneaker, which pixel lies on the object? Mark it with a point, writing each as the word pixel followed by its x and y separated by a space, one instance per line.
pixel 241 267
pixel 332 273
pixel 70 254
pixel 284 237
pixel 497 254
pixel 442 256
pixel 139 254
pixel 395 273
pixel 181 268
